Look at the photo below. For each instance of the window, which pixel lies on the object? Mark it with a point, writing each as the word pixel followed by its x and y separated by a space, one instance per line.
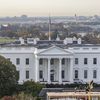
pixel 27 61
pixel 85 61
pixel 76 60
pixel 41 61
pixel 85 74
pixel 51 70
pixel 63 74
pixel 17 61
pixel 41 74
pixel 76 74
pixel 27 74
pixel 52 61
pixel 63 61
pixel 94 60
pixel 94 74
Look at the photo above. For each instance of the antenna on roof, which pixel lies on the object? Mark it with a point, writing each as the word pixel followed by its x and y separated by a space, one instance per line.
pixel 49 27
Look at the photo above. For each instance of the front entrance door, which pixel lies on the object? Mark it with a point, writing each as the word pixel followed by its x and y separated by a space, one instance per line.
pixel 52 77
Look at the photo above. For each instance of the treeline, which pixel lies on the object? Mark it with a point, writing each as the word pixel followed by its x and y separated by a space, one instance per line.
pixel 57 29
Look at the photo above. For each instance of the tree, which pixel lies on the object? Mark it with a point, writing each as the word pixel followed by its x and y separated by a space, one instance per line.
pixel 92 38
pixel 8 76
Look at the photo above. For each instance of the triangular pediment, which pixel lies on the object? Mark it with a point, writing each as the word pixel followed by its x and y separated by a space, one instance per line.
pixel 54 50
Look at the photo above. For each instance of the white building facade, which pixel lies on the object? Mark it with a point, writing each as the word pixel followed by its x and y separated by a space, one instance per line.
pixel 55 61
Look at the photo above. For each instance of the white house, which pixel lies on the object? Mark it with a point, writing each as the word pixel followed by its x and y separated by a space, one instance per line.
pixel 54 61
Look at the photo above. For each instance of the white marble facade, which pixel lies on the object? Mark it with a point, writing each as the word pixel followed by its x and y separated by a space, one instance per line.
pixel 55 64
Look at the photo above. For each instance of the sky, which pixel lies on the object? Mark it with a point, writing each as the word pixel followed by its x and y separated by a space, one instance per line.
pixel 52 7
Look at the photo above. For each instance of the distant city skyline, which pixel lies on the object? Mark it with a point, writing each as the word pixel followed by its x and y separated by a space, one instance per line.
pixel 52 7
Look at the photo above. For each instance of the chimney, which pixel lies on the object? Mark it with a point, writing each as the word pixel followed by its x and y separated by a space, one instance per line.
pixel 21 40
pixel 79 41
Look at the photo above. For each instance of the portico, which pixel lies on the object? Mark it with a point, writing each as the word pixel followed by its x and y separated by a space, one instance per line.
pixel 54 68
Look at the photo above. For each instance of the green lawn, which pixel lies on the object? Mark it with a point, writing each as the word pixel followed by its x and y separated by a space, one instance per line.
pixel 6 40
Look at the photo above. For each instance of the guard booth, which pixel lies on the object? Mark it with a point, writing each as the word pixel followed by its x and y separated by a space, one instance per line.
pixel 73 96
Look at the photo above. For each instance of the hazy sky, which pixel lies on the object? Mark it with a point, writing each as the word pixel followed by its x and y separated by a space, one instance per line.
pixel 44 7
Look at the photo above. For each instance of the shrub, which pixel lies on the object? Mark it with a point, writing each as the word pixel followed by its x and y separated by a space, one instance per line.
pixel 30 87
pixel 64 85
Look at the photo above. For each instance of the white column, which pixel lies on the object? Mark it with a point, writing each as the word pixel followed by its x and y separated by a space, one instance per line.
pixel 71 70
pixel 37 70
pixel 48 71
pixel 60 71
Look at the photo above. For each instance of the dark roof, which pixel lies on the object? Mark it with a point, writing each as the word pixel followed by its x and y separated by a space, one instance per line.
pixel 49 42
pixel 43 44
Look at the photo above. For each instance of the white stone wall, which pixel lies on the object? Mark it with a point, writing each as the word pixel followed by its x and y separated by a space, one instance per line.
pixel 24 52
pixel 90 66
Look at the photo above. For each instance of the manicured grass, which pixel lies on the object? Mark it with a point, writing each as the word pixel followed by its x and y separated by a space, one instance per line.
pixel 6 40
